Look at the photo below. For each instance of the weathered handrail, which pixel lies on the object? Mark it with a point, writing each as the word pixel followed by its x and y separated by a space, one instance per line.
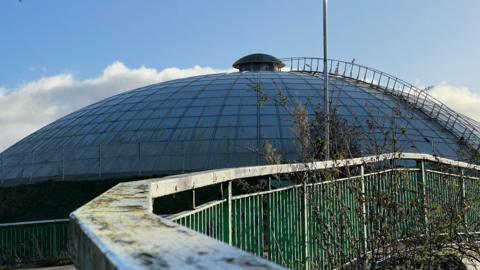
pixel 118 229
pixel 459 125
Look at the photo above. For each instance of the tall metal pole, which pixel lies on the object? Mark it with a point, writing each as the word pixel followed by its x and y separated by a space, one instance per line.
pixel 325 84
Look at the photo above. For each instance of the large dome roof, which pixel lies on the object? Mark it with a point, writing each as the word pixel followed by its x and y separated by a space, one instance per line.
pixel 206 122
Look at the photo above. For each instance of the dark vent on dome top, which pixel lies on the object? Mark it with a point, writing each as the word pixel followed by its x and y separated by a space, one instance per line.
pixel 258 62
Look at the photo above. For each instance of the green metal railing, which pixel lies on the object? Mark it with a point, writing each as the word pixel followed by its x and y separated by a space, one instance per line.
pixel 34 242
pixel 333 223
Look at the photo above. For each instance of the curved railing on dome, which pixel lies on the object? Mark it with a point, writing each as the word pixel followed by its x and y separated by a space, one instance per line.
pixel 296 226
pixel 456 123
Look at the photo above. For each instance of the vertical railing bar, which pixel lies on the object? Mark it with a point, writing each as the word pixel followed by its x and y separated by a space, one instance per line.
pixel 291 236
pixel 295 238
pixel 193 199
pixel 229 204
pixel 202 221
pixel 424 100
pixel 439 110
pixel 364 211
pixel 245 222
pixel 418 96
pixel 257 222
pixel 425 201
pixel 270 225
pixel 251 227
pixel 463 203
pixel 305 227
pixel 279 232
pixel 253 203
pixel 288 200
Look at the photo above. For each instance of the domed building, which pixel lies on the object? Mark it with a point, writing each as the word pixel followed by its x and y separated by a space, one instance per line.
pixel 224 120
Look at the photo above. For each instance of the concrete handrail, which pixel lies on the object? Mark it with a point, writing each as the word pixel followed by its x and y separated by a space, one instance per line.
pixel 118 229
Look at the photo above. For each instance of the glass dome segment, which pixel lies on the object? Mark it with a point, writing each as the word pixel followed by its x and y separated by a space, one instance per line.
pixel 206 122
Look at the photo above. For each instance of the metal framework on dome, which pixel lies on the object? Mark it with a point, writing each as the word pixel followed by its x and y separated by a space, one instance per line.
pixel 462 127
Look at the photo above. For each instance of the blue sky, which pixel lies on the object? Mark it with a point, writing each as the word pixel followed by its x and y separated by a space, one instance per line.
pixel 425 42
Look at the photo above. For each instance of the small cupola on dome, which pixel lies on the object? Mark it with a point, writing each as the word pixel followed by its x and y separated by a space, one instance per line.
pixel 258 62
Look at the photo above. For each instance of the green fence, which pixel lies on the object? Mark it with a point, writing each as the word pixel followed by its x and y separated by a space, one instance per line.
pixel 37 242
pixel 333 223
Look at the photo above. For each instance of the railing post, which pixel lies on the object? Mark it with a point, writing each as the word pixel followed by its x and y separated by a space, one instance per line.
pixel 305 226
pixel 193 199
pixel 364 210
pixel 463 199
pixel 364 206
pixel 424 194
pixel 229 203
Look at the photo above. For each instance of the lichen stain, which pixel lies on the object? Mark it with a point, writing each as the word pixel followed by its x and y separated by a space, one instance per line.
pixel 184 232
pixel 247 263
pixel 102 202
pixel 103 225
pixel 123 242
pixel 152 261
pixel 133 207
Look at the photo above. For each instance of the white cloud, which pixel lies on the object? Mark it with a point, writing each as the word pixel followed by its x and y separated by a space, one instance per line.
pixel 37 103
pixel 461 99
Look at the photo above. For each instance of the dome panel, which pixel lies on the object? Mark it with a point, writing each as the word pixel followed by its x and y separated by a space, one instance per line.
pixel 207 122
